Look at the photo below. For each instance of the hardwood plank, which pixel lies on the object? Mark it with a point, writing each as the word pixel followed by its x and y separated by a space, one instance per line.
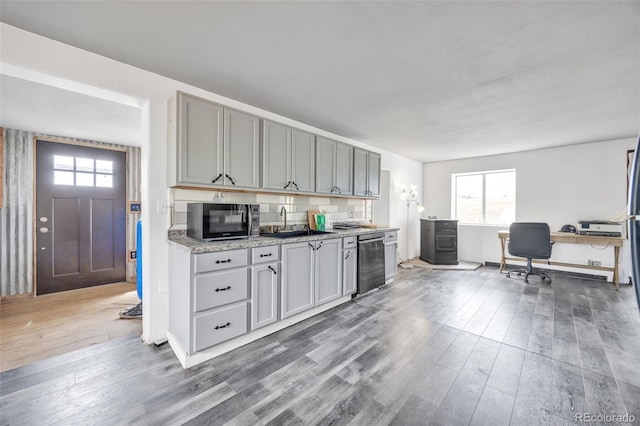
pixel 533 400
pixel 505 374
pixel 494 408
pixel 568 396
pixel 458 406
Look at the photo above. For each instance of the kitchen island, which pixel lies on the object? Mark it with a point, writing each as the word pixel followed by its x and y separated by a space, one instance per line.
pixel 225 294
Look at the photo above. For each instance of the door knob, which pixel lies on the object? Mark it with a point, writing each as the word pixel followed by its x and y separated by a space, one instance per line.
pixel 44 230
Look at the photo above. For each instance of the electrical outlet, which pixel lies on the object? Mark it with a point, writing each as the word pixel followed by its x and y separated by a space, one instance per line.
pixel 594 262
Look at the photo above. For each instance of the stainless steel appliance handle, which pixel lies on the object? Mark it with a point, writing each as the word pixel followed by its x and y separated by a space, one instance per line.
pixel 248 207
pixel 371 241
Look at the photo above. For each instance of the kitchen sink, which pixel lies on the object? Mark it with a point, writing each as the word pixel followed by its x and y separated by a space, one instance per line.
pixel 293 234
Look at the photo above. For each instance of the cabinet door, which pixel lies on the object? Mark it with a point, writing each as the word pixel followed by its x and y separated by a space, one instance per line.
pixel 303 160
pixel 297 278
pixel 328 273
pixel 390 261
pixel 241 149
pixel 349 271
pixel 373 172
pixel 276 155
pixel 264 295
pixel 325 165
pixel 360 180
pixel 344 168
pixel 200 141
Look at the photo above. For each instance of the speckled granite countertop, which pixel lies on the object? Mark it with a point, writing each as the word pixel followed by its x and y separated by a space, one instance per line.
pixel 180 239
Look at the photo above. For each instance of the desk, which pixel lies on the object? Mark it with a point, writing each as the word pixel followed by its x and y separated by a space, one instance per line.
pixel 570 238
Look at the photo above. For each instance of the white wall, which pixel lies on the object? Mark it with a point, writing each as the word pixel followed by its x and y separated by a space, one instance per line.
pixel 558 186
pixel 30 52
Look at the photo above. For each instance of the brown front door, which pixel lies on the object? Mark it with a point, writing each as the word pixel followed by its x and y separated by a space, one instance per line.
pixel 80 221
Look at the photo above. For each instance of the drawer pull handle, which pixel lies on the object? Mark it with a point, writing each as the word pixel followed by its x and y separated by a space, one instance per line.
pixel 266 255
pixel 272 270
pixel 223 289
pixel 223 261
pixel 218 327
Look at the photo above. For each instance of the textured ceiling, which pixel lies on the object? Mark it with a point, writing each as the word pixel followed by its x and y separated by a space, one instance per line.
pixel 427 80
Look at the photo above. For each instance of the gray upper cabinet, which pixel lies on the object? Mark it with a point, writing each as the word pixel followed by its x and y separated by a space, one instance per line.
pixel 334 167
pixel 366 173
pixel 241 149
pixel 200 140
pixel 288 158
pixel 303 160
pixel 210 145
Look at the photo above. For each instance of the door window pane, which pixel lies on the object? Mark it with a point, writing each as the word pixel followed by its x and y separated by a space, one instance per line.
pixel 104 181
pixel 62 162
pixel 84 164
pixel 104 166
pixel 62 178
pixel 84 179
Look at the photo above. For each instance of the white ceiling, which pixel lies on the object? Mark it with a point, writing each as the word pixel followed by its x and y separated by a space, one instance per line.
pixel 427 80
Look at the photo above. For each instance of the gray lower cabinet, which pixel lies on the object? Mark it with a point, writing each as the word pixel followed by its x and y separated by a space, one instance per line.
pixel 264 294
pixel 349 271
pixel 311 275
pixel 390 255
pixel 288 158
pixel 334 167
pixel 208 297
pixel 328 270
pixel 366 173
pixel 297 278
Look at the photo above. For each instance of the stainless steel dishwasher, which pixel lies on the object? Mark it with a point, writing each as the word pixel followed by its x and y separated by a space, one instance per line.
pixel 370 261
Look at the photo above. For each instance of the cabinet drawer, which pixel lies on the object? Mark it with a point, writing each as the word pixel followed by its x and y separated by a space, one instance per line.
pixel 220 260
pixel 443 225
pixel 220 288
pixel 265 254
pixel 350 242
pixel 218 326
pixel 390 236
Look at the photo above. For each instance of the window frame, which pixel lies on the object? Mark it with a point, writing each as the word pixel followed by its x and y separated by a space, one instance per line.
pixel 454 194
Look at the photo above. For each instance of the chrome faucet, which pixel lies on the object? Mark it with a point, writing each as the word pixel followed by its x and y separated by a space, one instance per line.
pixel 283 212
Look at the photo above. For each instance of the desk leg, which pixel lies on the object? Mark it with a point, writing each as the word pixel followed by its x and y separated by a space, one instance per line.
pixel 616 255
pixel 503 262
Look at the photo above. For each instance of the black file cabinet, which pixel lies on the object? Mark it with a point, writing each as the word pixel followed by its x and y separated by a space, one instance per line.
pixel 439 241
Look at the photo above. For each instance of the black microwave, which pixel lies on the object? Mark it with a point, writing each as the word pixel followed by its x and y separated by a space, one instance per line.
pixel 214 221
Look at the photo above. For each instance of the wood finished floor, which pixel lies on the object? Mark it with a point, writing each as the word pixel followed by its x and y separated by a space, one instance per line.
pixel 433 348
pixel 36 328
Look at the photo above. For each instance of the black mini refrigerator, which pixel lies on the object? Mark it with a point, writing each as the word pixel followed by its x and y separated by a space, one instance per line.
pixel 439 241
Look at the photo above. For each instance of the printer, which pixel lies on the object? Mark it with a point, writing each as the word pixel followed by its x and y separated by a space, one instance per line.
pixel 602 228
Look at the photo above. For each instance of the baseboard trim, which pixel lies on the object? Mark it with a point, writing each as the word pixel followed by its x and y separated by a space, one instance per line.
pixel 553 271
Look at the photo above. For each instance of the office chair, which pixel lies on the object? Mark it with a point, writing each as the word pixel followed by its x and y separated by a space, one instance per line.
pixel 530 240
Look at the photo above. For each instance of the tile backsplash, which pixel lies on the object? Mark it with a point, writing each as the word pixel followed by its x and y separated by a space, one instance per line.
pixel 341 209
